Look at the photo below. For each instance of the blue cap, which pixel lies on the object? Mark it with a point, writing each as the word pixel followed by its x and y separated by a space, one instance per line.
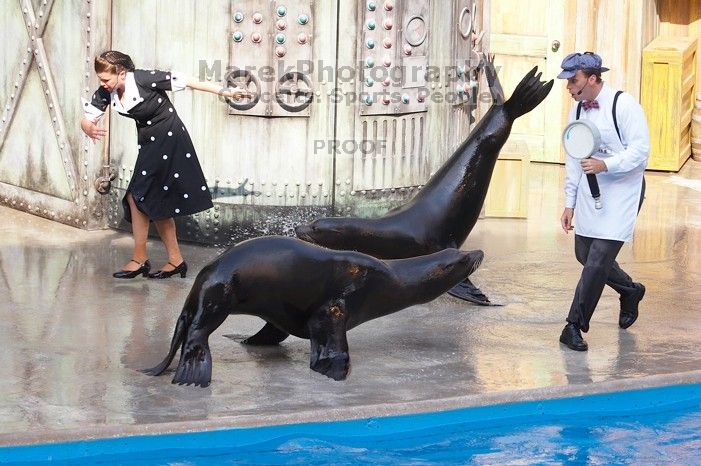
pixel 580 61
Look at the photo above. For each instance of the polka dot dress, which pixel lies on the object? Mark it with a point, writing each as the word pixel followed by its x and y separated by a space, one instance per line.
pixel 168 180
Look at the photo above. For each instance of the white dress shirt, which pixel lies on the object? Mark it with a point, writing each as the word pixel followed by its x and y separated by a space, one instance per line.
pixel 621 185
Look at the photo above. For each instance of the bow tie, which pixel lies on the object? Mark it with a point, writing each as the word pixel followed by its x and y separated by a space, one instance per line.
pixel 589 105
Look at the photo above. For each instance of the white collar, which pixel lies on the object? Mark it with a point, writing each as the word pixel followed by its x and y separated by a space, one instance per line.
pixel 131 95
pixel 605 93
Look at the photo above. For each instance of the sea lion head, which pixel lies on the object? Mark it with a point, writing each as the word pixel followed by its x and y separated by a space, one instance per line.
pixel 331 232
pixel 442 270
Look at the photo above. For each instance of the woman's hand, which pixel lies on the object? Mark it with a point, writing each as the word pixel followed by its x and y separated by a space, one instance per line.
pixel 92 130
pixel 236 93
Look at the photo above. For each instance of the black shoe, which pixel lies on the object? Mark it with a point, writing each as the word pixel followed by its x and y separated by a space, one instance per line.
pixel 179 269
pixel 572 337
pixel 144 269
pixel 629 306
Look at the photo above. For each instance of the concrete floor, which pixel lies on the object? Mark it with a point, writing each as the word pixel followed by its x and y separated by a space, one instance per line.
pixel 73 336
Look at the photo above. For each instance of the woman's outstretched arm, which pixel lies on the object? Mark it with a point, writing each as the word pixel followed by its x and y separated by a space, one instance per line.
pixel 230 92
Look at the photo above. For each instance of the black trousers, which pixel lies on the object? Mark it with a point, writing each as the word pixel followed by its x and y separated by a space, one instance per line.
pixel 598 256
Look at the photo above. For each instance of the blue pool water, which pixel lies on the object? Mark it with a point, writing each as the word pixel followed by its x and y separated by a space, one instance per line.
pixel 651 426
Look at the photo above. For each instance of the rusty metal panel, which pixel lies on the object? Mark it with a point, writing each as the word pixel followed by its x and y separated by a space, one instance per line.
pixel 393 51
pixel 384 154
pixel 271 56
pixel 42 169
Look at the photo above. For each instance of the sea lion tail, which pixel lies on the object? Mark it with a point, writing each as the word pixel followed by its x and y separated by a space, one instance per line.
pixel 178 339
pixel 530 92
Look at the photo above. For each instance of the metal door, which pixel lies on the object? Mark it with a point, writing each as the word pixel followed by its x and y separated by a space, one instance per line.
pixel 47 166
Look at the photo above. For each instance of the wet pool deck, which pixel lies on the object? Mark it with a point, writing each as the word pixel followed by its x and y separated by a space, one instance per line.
pixel 73 336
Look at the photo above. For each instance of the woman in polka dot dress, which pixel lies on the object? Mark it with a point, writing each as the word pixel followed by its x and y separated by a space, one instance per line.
pixel 167 180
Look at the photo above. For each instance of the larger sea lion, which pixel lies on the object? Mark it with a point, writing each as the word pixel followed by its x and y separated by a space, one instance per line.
pixel 444 212
pixel 307 291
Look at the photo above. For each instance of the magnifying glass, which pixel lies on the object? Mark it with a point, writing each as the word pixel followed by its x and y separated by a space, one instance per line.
pixel 581 140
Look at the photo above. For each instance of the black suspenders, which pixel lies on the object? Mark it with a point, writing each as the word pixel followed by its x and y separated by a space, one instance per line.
pixel 615 124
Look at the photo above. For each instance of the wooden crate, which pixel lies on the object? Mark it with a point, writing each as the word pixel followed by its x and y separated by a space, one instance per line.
pixel 667 95
pixel 508 190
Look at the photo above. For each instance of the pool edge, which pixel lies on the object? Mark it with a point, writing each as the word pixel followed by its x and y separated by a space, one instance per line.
pixel 98 432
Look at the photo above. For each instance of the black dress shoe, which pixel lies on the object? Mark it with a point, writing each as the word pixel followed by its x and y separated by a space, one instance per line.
pixel 144 269
pixel 179 269
pixel 572 337
pixel 629 306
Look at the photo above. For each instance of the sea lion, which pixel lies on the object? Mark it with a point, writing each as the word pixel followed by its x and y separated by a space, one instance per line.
pixel 444 212
pixel 307 291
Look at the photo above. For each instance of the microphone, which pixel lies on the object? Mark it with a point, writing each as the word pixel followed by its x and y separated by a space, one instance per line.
pixel 582 89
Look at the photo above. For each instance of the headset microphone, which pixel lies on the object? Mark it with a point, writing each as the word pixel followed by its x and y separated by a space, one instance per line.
pixel 582 89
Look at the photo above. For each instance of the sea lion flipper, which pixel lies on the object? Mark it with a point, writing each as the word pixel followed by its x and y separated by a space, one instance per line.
pixel 195 365
pixel 528 94
pixel 329 346
pixel 493 80
pixel 467 291
pixel 268 335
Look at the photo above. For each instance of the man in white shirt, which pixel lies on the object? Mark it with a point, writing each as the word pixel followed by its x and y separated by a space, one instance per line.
pixel 619 166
